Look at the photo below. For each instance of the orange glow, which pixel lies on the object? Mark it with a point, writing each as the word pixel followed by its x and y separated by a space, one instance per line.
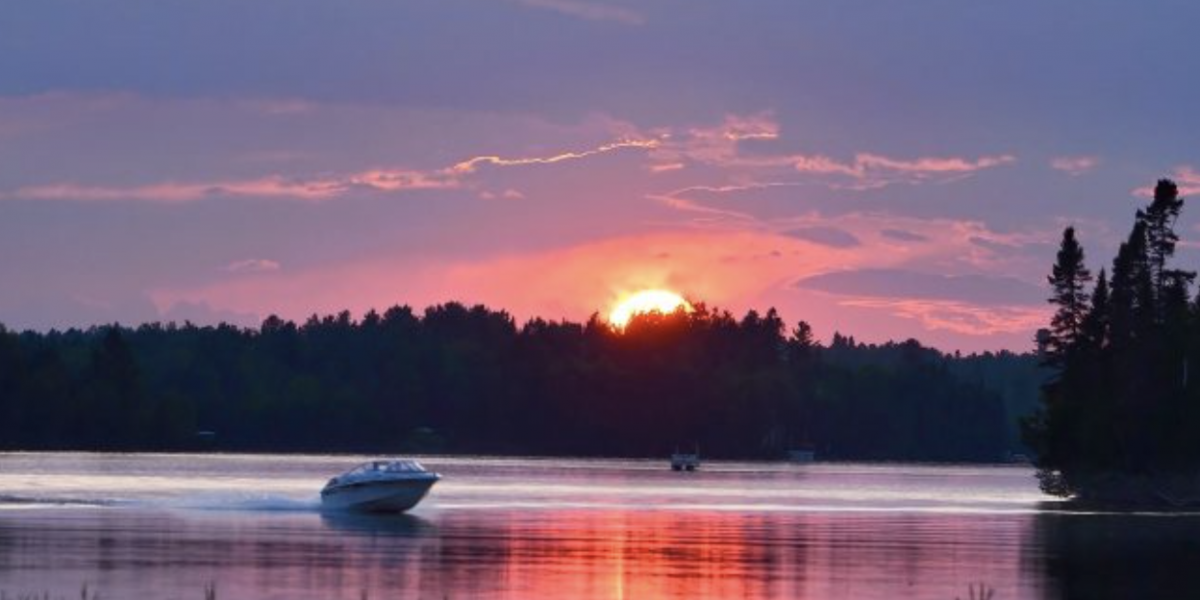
pixel 646 301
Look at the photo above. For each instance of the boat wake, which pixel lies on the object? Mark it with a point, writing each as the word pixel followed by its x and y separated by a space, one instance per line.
pixel 205 502
pixel 32 501
pixel 239 503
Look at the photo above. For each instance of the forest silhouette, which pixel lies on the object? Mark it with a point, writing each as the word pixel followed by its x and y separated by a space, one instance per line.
pixel 1121 411
pixel 464 379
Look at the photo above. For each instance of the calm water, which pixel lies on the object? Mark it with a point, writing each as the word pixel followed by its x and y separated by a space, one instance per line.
pixel 162 526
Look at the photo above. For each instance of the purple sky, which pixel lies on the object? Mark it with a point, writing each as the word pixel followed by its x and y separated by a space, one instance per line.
pixel 885 169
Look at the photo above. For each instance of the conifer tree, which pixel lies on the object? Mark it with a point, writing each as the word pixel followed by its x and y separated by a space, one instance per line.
pixel 1095 324
pixel 1161 238
pixel 1068 281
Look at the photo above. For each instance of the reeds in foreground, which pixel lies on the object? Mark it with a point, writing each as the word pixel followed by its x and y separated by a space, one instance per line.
pixel 982 593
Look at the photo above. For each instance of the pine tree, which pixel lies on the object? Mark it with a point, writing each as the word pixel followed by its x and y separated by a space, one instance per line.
pixel 1131 289
pixel 1068 280
pixel 1161 238
pixel 1095 324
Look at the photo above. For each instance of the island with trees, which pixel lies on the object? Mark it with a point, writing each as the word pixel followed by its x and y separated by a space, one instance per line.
pixel 1121 411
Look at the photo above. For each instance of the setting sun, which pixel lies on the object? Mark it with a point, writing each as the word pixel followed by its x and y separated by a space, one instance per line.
pixel 645 301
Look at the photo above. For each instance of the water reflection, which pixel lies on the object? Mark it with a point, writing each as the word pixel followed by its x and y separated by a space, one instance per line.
pixel 1120 556
pixel 531 529
pixel 516 554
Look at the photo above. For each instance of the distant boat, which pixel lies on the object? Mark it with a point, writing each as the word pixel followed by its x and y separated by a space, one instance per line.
pixel 379 486
pixel 683 461
pixel 802 455
pixel 1018 459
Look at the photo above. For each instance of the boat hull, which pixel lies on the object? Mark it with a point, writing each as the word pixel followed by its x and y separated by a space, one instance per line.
pixel 377 496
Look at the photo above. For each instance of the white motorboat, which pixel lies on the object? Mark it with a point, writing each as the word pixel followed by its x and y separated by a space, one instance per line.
pixel 379 486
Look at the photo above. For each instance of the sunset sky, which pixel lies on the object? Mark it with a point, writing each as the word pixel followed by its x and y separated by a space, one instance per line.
pixel 883 169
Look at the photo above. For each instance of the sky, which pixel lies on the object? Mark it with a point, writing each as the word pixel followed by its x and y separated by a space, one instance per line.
pixel 888 170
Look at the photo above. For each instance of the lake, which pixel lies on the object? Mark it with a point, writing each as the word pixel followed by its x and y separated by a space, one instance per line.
pixel 145 526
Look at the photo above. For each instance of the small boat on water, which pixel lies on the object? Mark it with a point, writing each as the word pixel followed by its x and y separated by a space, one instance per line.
pixel 379 486
pixel 685 461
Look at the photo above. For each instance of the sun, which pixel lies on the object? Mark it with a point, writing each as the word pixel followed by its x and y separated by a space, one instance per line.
pixel 646 301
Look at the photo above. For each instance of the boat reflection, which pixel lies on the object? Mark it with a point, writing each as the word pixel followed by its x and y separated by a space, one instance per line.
pixel 371 524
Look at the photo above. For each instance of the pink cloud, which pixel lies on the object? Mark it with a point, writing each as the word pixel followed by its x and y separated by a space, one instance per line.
pixel 960 317
pixel 717 145
pixel 1074 165
pixel 873 170
pixel 665 167
pixel 721 146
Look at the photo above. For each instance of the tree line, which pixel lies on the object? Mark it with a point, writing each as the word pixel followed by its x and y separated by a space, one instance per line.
pixel 469 379
pixel 1120 415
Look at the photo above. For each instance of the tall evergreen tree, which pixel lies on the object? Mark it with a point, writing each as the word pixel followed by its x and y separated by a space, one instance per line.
pixel 1131 290
pixel 1095 324
pixel 1068 281
pixel 1161 238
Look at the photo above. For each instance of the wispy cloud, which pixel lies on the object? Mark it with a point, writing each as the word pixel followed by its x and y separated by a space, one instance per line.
pixel 1074 165
pixel 717 145
pixel 721 146
pixel 665 167
pixel 312 189
pixel 471 165
pixel 959 317
pixel 868 171
pixel 592 11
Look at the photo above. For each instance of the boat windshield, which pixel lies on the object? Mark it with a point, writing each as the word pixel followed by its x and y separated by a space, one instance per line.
pixel 388 466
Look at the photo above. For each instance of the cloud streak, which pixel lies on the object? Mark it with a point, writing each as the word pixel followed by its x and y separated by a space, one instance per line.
pixel 959 317
pixel 313 189
pixel 871 171
pixel 721 147
pixel 1074 165
pixel 472 165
